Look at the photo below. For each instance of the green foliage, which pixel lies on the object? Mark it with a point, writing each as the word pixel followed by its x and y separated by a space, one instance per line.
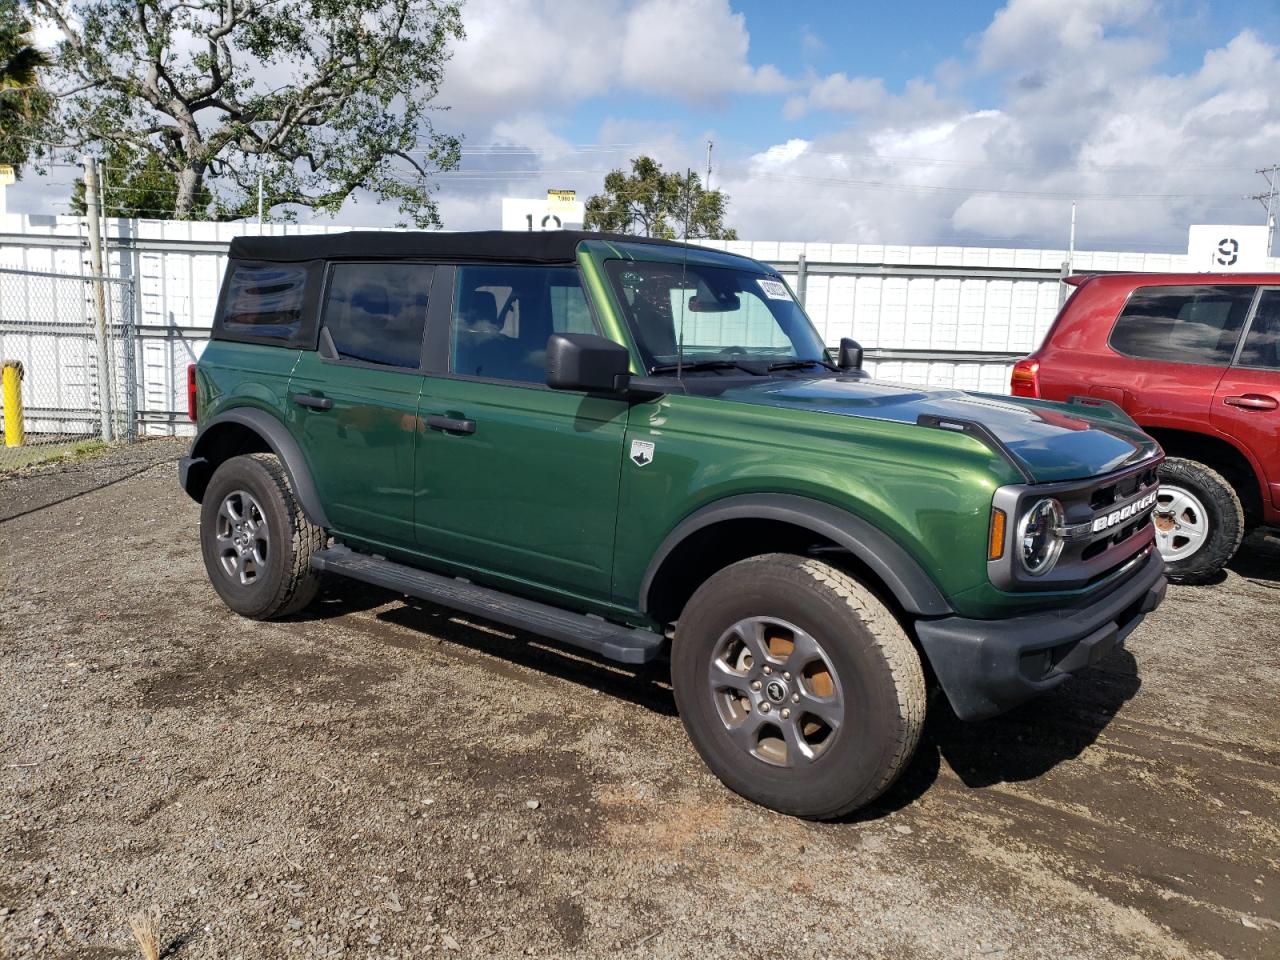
pixel 320 97
pixel 141 185
pixel 24 104
pixel 652 203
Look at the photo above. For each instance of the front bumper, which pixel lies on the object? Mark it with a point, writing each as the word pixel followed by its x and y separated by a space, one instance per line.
pixel 988 666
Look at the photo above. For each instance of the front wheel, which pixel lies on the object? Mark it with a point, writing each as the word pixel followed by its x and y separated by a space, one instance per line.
pixel 797 686
pixel 1198 519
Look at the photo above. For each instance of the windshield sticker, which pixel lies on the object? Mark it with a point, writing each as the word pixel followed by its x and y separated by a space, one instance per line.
pixel 774 289
pixel 641 452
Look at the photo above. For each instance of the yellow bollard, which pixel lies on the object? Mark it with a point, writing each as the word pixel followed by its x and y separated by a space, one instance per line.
pixel 12 403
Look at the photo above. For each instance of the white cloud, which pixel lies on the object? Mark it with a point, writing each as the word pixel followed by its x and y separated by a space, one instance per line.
pixel 1086 112
pixel 838 93
pixel 538 53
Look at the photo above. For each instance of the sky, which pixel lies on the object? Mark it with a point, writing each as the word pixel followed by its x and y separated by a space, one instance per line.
pixel 912 122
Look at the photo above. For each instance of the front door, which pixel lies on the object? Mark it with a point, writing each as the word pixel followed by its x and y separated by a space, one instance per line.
pixel 1246 406
pixel 356 398
pixel 515 479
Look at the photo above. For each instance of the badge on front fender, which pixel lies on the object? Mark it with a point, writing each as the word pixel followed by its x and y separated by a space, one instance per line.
pixel 641 453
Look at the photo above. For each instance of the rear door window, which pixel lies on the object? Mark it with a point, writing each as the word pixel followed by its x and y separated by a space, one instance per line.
pixel 265 302
pixel 375 312
pixel 1192 324
pixel 1262 343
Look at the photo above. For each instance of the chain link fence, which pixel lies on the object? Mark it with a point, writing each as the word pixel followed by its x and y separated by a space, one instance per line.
pixel 68 349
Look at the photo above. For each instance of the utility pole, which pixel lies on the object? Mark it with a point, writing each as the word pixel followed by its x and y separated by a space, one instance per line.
pixel 1068 265
pixel 98 294
pixel 709 145
pixel 259 204
pixel 1269 199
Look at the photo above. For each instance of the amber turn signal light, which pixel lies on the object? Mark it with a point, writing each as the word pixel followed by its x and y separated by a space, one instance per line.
pixel 995 546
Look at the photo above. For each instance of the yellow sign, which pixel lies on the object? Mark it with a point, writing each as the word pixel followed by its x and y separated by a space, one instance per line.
pixel 7 176
pixel 562 196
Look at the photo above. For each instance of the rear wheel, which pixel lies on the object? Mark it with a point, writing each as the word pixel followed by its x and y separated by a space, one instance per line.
pixel 797 686
pixel 256 541
pixel 1198 519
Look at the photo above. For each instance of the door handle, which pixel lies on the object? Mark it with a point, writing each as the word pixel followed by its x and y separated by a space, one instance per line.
pixel 451 424
pixel 312 401
pixel 1252 401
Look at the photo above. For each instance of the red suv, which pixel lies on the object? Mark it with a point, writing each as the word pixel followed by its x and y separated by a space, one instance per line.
pixel 1195 360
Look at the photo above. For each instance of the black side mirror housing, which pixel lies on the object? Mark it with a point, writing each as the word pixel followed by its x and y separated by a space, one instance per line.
pixel 584 361
pixel 850 356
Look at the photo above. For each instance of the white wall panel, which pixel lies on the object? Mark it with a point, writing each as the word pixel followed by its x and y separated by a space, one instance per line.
pixel 883 295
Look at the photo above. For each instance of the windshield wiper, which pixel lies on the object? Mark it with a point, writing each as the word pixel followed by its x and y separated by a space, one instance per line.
pixel 801 365
pixel 703 365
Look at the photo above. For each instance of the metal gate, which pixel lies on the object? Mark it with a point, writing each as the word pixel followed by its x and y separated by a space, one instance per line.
pixel 68 348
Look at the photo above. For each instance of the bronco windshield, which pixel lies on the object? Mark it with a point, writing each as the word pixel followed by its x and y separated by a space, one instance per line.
pixel 697 316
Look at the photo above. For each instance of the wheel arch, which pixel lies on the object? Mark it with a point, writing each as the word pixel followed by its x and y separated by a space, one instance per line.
pixel 1220 454
pixel 250 430
pixel 751 524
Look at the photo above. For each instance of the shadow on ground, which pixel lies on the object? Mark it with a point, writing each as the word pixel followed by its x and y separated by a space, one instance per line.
pixel 1023 744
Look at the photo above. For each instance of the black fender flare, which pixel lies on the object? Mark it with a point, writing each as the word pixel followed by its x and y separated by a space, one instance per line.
pixel 909 584
pixel 195 470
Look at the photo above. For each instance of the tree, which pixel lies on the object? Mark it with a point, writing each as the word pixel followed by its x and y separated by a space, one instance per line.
pixel 319 98
pixel 652 203
pixel 23 101
pixel 133 185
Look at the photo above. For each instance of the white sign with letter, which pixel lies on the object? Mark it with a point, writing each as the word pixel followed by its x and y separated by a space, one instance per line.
pixel 546 213
pixel 1226 248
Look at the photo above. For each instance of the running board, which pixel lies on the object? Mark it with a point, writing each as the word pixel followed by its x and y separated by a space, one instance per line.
pixel 623 644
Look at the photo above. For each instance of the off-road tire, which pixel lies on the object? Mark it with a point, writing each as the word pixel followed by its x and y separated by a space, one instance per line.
pixel 875 662
pixel 1225 517
pixel 287 582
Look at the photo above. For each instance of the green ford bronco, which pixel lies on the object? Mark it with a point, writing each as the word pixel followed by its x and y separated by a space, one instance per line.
pixel 643 449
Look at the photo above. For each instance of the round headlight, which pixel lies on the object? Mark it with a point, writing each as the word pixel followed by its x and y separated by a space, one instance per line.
pixel 1040 537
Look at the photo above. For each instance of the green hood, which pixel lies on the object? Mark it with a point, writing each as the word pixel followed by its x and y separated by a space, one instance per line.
pixel 1053 441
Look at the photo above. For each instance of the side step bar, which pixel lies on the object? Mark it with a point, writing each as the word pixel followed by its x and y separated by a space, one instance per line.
pixel 623 644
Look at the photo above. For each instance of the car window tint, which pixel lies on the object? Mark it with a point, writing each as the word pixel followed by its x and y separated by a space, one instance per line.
pixel 375 312
pixel 265 301
pixel 1199 324
pixel 1262 342
pixel 502 317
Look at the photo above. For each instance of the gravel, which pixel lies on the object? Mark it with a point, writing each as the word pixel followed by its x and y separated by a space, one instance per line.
pixel 381 778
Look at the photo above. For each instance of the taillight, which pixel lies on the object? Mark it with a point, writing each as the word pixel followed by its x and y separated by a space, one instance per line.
pixel 1025 381
pixel 191 391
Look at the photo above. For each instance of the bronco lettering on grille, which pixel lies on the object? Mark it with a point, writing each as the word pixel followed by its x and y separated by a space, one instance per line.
pixel 1124 513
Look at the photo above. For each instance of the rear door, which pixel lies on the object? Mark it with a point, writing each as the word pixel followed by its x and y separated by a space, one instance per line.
pixel 1246 405
pixel 355 399
pixel 1176 342
pixel 515 479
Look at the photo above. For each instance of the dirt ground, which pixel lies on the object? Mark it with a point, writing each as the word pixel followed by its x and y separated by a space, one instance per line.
pixel 380 779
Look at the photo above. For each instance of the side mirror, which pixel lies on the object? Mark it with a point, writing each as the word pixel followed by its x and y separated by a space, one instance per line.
pixel 583 361
pixel 850 356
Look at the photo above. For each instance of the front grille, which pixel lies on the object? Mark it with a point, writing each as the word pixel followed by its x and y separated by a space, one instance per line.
pixel 1106 524
pixel 1110 494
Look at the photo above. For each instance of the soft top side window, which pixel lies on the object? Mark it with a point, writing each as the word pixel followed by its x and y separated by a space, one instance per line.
pixel 375 312
pixel 1192 324
pixel 266 303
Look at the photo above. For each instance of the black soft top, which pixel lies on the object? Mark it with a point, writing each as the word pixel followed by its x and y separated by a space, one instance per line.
pixel 550 246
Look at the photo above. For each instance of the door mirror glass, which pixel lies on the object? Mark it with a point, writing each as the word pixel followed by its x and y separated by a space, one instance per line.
pixel 584 361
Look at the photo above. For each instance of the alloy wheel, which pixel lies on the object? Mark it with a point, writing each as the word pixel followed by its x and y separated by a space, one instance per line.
pixel 242 537
pixel 1181 522
pixel 776 691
